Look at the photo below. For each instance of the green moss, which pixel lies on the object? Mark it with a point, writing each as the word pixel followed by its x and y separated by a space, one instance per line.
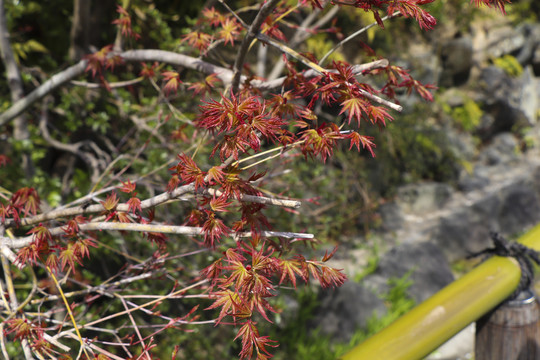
pixel 467 116
pixel 509 64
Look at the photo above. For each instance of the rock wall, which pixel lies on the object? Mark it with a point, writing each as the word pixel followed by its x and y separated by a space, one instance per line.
pixel 428 224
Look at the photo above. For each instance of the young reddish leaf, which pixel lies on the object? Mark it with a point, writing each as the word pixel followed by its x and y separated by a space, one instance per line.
pixel 205 86
pixel 159 238
pixel 127 187
pixel 216 175
pixel 251 340
pixel 420 88
pixel 321 141
pixel 214 229
pixel 290 269
pixel 378 115
pixel 110 203
pixel 21 327
pixel 97 60
pixel 30 253
pixel 220 204
pixel 173 81
pixel 326 275
pixel 188 170
pixel 198 40
pixel 230 29
pixel 82 247
pixel 72 228
pixel 366 141
pixel 355 107
pixel 69 256
pixel 328 256
pixel 257 302
pixel 4 160
pixel 493 3
pixel 271 29
pixel 120 216
pixel 173 183
pixel 214 17
pixel 134 204
pixel 238 274
pixel 410 8
pixel 113 61
pixel 53 262
pixel 41 234
pixel 124 23
pixel 213 271
pixel 228 301
pixel 27 199
pixel 148 70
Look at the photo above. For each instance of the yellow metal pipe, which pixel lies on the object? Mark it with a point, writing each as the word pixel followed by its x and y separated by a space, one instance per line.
pixel 431 323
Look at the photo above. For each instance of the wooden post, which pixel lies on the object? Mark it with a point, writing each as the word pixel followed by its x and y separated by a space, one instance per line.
pixel 511 331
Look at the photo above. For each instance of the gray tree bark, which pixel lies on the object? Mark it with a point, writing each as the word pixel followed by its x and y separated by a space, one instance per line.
pixel 20 125
pixel 80 30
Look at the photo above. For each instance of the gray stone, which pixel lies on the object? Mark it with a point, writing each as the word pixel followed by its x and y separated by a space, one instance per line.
pixel 504 40
pixel 424 197
pixel 502 149
pixel 346 309
pixel 531 35
pixel 535 62
pixel 478 179
pixel 530 96
pixel 392 218
pixel 466 231
pixel 425 262
pixel 502 99
pixel 456 61
pixel 520 208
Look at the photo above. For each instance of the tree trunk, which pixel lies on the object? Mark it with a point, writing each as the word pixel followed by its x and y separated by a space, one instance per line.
pixel 20 126
pixel 80 30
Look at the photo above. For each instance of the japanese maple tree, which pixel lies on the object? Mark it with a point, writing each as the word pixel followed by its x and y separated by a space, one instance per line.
pixel 218 159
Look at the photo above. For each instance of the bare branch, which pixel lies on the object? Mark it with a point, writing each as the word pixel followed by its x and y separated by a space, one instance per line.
pixel 225 75
pixel 253 30
pixel 50 85
pixel 157 228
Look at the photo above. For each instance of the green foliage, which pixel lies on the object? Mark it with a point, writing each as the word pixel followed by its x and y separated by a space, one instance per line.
pixel 319 45
pixel 467 116
pixel 412 150
pixel 527 11
pixel 509 64
pixel 21 50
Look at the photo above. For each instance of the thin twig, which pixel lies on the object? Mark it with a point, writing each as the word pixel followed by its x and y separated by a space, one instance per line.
pixel 68 309
pixel 355 34
pixel 252 32
pixel 144 348
pixel 113 85
pixel 3 342
pixel 147 304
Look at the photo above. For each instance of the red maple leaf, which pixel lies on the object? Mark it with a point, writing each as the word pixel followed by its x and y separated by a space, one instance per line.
pixel 173 81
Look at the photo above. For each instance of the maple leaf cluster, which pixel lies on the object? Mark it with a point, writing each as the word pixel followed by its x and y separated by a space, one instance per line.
pixel 245 278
